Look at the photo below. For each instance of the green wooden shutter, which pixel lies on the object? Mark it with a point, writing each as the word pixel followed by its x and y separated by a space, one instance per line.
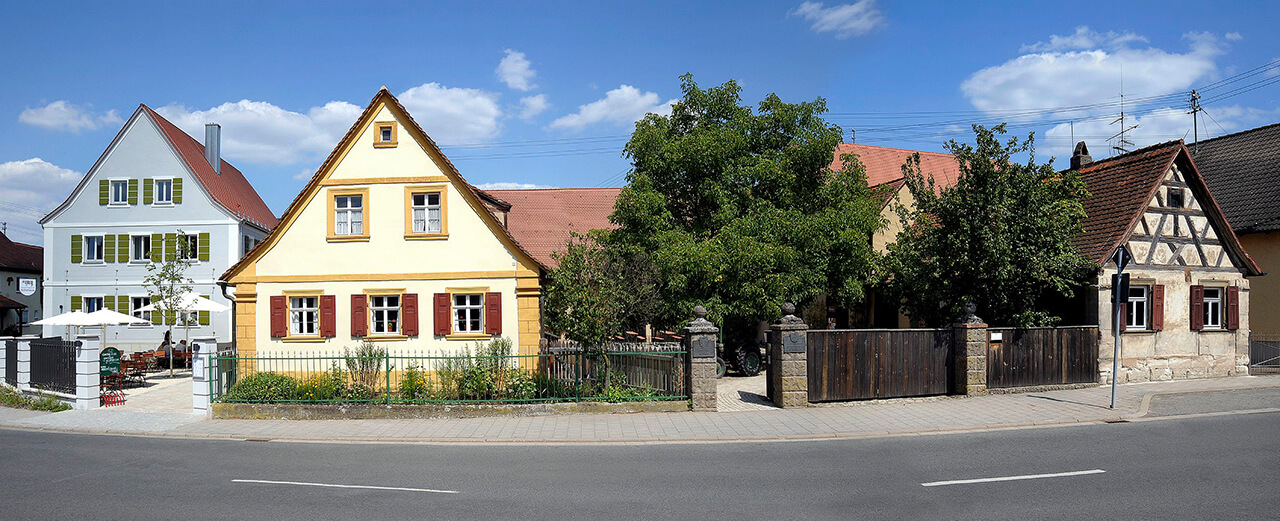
pixel 133 191
pixel 177 190
pixel 170 246
pixel 75 303
pixel 122 248
pixel 77 249
pixel 104 192
pixel 204 315
pixel 204 246
pixel 156 318
pixel 148 190
pixel 109 248
pixel 157 247
pixel 109 302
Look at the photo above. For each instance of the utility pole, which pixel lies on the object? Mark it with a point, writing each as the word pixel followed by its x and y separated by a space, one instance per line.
pixel 1195 117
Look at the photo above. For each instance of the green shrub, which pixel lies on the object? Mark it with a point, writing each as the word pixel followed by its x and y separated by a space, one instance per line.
pixel 264 387
pixel 326 386
pixel 366 364
pixel 414 384
pixel 10 397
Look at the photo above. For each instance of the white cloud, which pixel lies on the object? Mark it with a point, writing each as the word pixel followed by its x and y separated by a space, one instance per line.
pixel 845 20
pixel 305 174
pixel 511 186
pixel 32 188
pixel 454 115
pixel 516 71
pixel 623 105
pixel 1233 37
pixel 62 115
pixel 531 106
pixel 1084 38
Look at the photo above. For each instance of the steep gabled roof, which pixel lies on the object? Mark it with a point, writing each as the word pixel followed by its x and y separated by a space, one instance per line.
pixel 17 256
pixel 543 220
pixel 1243 170
pixel 229 190
pixel 884 165
pixel 475 198
pixel 1120 189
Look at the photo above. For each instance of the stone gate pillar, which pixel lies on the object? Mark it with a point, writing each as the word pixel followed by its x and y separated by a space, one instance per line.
pixel 700 365
pixel 88 372
pixel 24 362
pixel 203 349
pixel 969 370
pixel 789 360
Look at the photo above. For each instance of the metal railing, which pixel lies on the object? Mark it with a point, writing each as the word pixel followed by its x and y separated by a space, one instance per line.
pixel 618 373
pixel 11 362
pixel 1264 353
pixel 53 364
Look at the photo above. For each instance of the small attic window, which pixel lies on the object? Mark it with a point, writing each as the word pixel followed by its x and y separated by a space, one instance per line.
pixel 385 134
pixel 1175 198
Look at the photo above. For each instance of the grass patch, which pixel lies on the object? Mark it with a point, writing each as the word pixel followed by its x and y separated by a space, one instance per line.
pixel 10 397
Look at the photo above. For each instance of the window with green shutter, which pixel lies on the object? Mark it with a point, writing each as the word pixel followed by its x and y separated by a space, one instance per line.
pixel 109 249
pixel 122 248
pixel 204 247
pixel 77 249
pixel 109 302
pixel 177 190
pixel 157 247
pixel 75 303
pixel 204 315
pixel 133 191
pixel 104 192
pixel 170 246
pixel 147 186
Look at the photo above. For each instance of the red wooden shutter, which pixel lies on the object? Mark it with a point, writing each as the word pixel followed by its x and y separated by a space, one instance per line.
pixel 1123 324
pixel 279 314
pixel 1233 308
pixel 328 316
pixel 359 315
pixel 442 308
pixel 409 312
pixel 493 313
pixel 1157 307
pixel 1197 308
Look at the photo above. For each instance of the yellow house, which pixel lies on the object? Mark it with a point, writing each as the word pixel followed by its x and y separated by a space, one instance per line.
pixel 386 243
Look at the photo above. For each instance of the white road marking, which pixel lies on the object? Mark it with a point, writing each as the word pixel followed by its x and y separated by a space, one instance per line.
pixel 331 485
pixel 1013 478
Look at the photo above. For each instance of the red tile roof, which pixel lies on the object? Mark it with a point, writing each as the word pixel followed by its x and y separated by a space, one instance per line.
pixel 542 220
pixel 884 165
pixel 1121 187
pixel 17 256
pixel 230 188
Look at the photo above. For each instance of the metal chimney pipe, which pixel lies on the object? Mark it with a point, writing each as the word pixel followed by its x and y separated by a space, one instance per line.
pixel 213 146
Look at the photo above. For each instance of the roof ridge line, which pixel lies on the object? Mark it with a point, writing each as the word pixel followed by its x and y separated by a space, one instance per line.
pixel 1240 133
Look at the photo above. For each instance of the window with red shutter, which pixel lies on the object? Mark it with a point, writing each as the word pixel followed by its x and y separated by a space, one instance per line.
pixel 279 317
pixel 328 316
pixel 1124 317
pixel 493 313
pixel 1233 308
pixel 1197 308
pixel 441 308
pixel 409 314
pixel 359 315
pixel 1157 307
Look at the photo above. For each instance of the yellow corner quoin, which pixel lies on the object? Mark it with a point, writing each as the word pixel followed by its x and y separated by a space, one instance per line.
pixel 305 256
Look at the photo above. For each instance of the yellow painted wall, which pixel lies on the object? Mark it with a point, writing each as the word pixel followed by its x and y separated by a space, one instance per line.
pixel 1264 310
pixel 893 225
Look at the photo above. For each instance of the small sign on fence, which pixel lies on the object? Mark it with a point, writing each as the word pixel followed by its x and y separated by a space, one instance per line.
pixel 109 362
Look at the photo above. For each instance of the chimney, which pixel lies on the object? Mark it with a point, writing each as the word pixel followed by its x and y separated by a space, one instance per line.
pixel 1081 156
pixel 213 145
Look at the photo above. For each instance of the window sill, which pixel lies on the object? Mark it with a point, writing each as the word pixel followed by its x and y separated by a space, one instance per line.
pixel 93 263
pixel 425 236
pixel 1139 331
pixel 468 336
pixel 385 144
pixel 1216 330
pixel 304 339
pixel 348 238
pixel 162 205
pixel 119 205
pixel 386 338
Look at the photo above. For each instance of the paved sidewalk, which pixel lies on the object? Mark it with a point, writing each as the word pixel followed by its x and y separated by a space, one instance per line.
pixel 844 420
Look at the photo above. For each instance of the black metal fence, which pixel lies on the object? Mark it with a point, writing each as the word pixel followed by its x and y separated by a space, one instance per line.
pixel 53 364
pixel 11 362
pixel 1264 353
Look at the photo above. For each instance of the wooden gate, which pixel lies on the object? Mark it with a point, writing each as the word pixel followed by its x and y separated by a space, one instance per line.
pixel 1042 356
pixel 859 364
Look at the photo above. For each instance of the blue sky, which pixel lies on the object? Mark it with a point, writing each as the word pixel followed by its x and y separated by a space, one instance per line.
pixel 545 94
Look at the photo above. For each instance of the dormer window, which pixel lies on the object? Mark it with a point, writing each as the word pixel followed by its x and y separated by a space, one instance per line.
pixel 384 134
pixel 120 191
pixel 1175 199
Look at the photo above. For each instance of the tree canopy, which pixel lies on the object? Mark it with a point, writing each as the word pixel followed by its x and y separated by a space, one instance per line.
pixel 1001 237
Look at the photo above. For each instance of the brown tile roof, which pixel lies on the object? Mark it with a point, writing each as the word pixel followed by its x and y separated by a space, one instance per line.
pixel 884 165
pixel 1242 170
pixel 17 256
pixel 8 303
pixel 1120 188
pixel 542 220
pixel 230 188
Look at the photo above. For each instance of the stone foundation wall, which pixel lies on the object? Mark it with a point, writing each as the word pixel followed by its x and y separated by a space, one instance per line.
pixel 1161 369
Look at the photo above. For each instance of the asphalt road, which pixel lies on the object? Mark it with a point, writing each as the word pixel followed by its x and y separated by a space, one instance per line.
pixel 1224 467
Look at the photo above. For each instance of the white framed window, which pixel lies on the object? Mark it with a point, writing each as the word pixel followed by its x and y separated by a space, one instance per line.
pixel 248 244
pixel 93 248
pixel 386 133
pixel 385 314
pixel 163 191
pixel 120 191
pixel 1138 311
pixel 139 302
pixel 468 313
pixel 91 304
pixel 304 316
pixel 140 248
pixel 426 212
pixel 348 215
pixel 191 252
pixel 1213 308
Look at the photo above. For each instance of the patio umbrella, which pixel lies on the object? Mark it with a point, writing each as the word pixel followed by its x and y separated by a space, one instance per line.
pixel 187 303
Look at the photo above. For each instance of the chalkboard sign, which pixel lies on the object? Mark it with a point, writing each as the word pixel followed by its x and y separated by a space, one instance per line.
pixel 109 361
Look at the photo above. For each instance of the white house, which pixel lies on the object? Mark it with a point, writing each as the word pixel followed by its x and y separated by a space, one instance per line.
pixel 153 186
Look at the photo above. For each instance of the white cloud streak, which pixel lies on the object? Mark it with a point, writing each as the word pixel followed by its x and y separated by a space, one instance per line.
pixel 531 106
pixel 516 71
pixel 64 116
pixel 623 105
pixel 32 188
pixel 511 186
pixel 845 20
pixel 1084 38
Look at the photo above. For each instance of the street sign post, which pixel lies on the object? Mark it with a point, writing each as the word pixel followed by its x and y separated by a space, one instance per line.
pixel 1120 294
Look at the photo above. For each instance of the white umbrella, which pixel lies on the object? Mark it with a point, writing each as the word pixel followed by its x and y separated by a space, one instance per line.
pixel 74 318
pixel 190 302
pixel 106 317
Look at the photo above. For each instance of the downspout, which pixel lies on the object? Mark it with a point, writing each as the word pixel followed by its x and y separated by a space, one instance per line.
pixel 223 284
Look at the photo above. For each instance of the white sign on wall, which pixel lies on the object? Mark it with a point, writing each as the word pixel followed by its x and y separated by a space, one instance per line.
pixel 27 287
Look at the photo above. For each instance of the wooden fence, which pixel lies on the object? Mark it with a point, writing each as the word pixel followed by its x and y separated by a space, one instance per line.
pixel 1041 356
pixel 858 364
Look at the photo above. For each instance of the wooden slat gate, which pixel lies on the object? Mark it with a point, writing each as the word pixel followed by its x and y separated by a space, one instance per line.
pixel 859 364
pixel 1041 356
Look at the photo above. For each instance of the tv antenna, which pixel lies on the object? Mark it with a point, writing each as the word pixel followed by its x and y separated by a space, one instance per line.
pixel 1195 116
pixel 1123 144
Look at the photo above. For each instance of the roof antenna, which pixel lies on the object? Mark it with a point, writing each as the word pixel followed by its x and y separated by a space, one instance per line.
pixel 1195 118
pixel 1123 144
